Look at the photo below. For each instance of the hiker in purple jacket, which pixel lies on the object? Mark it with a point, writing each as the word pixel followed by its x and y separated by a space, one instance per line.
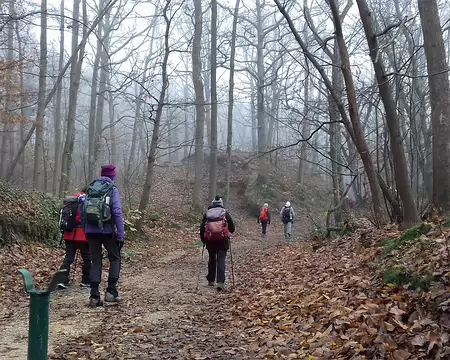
pixel 103 223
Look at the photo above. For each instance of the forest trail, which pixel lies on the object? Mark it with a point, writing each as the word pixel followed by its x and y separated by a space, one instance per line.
pixel 162 315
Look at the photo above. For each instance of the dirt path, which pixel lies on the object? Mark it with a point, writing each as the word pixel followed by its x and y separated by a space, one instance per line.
pixel 164 315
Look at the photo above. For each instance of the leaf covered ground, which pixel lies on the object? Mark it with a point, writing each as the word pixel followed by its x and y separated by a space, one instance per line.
pixel 355 297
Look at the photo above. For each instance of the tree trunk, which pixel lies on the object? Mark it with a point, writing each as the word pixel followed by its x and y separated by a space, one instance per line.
pixel 156 126
pixel 39 140
pixel 263 168
pixel 439 100
pixel 114 158
pixel 253 116
pixel 94 93
pixel 138 116
pixel 187 144
pixel 199 102
pixel 58 113
pixel 213 137
pixel 410 216
pixel 231 101
pixel 102 91
pixel 360 141
pixel 302 164
pixel 335 135
pixel 22 104
pixel 75 76
pixel 7 136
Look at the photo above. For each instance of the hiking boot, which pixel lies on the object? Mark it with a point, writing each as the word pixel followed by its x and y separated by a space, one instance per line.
pixel 110 298
pixel 61 286
pixel 95 302
pixel 220 286
pixel 211 283
pixel 85 285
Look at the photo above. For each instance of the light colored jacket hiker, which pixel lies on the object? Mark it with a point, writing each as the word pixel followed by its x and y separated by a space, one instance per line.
pixel 287 217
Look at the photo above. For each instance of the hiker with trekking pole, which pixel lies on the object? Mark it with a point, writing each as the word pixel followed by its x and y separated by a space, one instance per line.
pixel 215 230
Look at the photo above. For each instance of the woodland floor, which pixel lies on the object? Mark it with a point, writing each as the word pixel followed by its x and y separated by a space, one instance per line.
pixel 165 315
pixel 290 301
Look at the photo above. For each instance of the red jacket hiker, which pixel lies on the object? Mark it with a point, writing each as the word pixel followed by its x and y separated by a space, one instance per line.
pixel 264 219
pixel 76 241
pixel 78 234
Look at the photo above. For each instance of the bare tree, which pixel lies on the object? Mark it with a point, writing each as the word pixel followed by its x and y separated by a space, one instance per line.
pixel 94 91
pixel 58 112
pixel 151 159
pixel 353 124
pixel 439 100
pixel 39 141
pixel 75 75
pixel 199 101
pixel 231 100
pixel 213 137
pixel 410 216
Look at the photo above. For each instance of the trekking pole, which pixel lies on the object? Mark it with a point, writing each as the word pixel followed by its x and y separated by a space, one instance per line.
pixel 199 268
pixel 232 265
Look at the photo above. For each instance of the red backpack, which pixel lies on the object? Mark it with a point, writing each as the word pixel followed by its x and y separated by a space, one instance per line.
pixel 263 215
pixel 216 224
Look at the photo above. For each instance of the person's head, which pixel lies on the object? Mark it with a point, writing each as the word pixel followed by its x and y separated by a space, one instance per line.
pixel 109 171
pixel 266 205
pixel 217 201
pixel 288 204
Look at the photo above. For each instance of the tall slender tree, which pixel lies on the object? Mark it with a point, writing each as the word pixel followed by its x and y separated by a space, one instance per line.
pixel 213 137
pixel 199 102
pixel 433 42
pixel 39 141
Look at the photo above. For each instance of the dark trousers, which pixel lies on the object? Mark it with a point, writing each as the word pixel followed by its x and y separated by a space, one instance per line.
pixel 111 245
pixel 71 251
pixel 216 265
pixel 264 227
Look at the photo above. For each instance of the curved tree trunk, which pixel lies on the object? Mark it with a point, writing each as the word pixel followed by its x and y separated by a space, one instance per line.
pixel 410 216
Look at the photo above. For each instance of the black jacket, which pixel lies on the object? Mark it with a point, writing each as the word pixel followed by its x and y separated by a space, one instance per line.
pixel 217 245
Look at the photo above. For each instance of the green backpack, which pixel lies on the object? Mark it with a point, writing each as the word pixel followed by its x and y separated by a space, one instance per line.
pixel 97 209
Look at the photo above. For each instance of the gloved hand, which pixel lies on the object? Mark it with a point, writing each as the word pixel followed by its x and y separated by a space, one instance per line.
pixel 121 243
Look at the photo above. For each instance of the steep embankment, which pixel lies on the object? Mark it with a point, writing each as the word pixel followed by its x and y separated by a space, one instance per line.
pixel 27 215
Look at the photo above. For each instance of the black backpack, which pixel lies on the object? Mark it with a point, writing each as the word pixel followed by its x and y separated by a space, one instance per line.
pixel 68 214
pixel 286 215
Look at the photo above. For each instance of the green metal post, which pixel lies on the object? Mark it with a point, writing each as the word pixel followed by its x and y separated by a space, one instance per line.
pixel 39 314
pixel 38 326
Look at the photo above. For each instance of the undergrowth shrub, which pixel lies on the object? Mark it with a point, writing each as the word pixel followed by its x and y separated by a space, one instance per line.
pixel 409 236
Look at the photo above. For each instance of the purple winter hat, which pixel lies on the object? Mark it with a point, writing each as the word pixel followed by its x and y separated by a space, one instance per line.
pixel 109 171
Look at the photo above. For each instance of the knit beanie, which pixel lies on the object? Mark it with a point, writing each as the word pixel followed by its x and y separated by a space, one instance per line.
pixel 109 171
pixel 217 201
